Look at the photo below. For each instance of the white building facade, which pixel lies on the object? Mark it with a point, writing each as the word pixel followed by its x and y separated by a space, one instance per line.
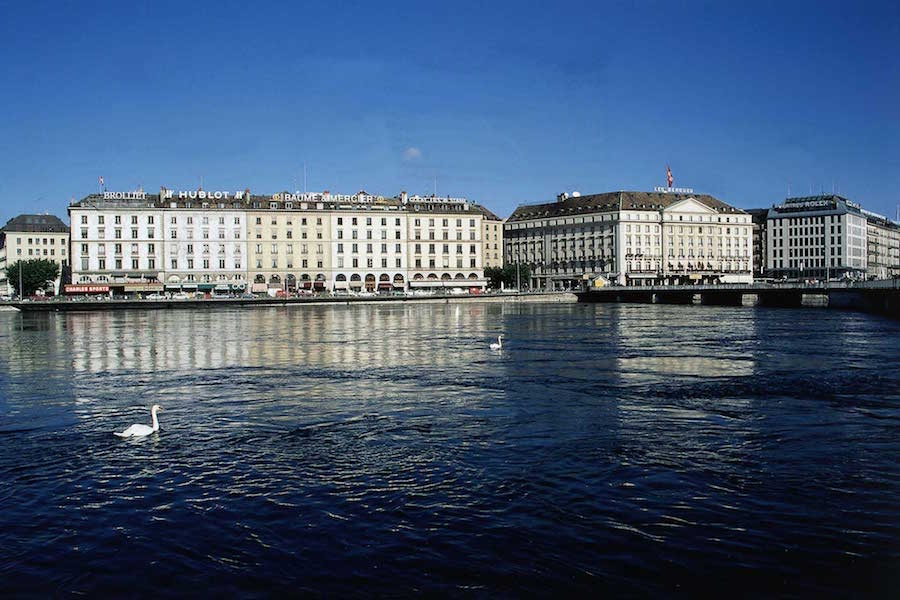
pixel 883 241
pixel 205 245
pixel 118 242
pixel 32 237
pixel 137 242
pixel 631 238
pixel 816 237
pixel 444 246
pixel 368 248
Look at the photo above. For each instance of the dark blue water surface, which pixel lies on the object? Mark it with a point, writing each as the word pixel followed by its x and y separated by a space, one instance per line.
pixel 371 450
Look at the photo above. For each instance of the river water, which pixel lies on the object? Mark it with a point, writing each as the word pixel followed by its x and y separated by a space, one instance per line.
pixel 639 450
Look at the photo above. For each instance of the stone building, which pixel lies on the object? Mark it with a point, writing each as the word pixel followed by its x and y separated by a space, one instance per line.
pixel 759 217
pixel 29 237
pixel 631 238
pixel 883 247
pixel 228 242
pixel 492 238
pixel 816 237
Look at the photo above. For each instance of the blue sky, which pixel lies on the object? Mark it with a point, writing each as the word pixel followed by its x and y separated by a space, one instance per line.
pixel 506 103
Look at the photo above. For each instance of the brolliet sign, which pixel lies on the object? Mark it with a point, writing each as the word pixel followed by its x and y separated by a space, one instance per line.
pixel 87 289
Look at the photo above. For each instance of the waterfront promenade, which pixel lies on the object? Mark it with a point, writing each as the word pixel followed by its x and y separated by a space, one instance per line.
pixel 71 305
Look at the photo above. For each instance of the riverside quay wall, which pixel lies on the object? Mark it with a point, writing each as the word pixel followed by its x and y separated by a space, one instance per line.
pixel 881 297
pixel 106 304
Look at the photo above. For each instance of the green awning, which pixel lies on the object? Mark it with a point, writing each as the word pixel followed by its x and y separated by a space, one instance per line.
pixel 206 286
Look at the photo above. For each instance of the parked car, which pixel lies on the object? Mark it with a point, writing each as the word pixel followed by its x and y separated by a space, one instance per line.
pixel 5 298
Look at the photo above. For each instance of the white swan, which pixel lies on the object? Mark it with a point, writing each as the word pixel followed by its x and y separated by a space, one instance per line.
pixel 138 430
pixel 499 344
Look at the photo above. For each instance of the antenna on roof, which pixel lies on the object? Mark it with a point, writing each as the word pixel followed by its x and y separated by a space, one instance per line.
pixel 304 177
pixel 789 189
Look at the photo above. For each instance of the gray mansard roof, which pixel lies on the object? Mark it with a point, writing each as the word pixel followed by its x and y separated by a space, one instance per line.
pixel 613 201
pixel 36 224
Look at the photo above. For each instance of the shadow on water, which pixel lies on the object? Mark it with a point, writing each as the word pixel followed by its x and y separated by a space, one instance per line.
pixel 643 450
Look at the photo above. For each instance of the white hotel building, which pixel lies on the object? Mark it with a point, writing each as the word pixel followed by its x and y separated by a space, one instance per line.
pixel 631 238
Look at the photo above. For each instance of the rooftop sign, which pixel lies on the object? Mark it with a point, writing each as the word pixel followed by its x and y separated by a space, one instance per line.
pixel 124 196
pixel 203 195
pixel 807 204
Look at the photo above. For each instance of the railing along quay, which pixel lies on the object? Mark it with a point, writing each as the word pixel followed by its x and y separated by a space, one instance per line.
pixel 70 305
pixel 882 297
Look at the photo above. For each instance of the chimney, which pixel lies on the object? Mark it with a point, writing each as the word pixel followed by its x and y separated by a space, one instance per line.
pixel 404 197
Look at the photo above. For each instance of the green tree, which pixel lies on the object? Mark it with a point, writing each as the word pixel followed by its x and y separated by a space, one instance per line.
pixel 507 276
pixel 36 274
pixel 511 280
pixel 494 275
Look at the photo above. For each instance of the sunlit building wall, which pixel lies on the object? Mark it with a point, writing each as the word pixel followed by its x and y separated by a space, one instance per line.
pixel 31 237
pixel 631 238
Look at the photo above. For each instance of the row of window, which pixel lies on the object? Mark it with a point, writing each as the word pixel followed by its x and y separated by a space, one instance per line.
pixel 204 234
pixel 40 241
pixel 805 231
pixel 354 248
pixel 807 264
pixel 354 234
pixel 783 221
pixel 117 219
pixel 290 221
pixel 117 233
pixel 289 248
pixel 370 262
pixel 37 251
pixel 118 263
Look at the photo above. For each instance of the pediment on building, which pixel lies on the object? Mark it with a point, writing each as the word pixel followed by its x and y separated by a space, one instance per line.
pixel 689 205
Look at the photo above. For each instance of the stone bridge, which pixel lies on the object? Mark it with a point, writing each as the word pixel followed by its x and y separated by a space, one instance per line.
pixel 882 297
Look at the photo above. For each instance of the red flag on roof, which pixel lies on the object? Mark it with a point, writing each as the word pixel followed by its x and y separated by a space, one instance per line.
pixel 669 176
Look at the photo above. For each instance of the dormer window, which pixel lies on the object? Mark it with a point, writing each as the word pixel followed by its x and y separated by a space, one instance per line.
pixel 273 205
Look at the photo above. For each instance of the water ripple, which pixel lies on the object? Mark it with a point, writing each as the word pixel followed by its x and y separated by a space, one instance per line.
pixel 383 450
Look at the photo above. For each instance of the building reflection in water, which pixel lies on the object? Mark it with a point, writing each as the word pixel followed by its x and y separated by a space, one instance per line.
pixel 354 337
